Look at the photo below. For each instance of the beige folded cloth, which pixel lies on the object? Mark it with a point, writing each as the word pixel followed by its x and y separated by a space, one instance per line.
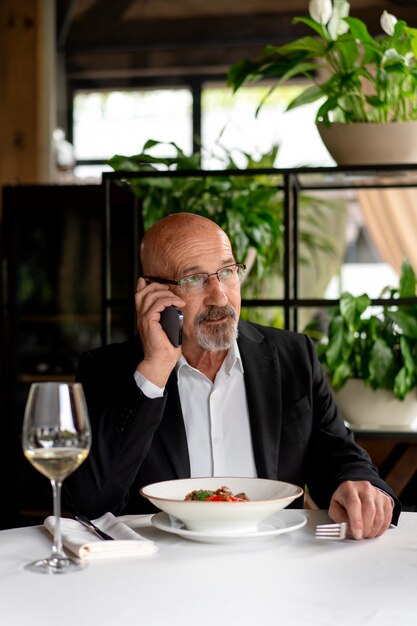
pixel 85 545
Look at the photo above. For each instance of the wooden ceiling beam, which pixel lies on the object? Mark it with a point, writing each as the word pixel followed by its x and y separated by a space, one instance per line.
pixel 183 33
pixel 102 40
pixel 104 35
pixel 109 13
pixel 95 20
pixel 154 63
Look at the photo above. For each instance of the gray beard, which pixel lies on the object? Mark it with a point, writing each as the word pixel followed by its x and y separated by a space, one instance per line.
pixel 219 337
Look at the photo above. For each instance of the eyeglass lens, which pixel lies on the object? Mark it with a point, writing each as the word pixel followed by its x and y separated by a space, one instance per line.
pixel 226 275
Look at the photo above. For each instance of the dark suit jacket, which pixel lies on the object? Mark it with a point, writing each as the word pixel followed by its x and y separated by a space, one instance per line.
pixel 297 432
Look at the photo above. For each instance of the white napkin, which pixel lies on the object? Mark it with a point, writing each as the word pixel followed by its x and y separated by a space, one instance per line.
pixel 85 545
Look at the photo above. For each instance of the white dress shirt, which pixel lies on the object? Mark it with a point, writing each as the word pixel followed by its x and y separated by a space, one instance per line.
pixel 216 417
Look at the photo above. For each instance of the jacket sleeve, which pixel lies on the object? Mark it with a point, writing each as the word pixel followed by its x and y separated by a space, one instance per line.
pixel 337 457
pixel 123 423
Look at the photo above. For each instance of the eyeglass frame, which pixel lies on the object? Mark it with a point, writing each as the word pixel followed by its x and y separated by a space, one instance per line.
pixel 177 283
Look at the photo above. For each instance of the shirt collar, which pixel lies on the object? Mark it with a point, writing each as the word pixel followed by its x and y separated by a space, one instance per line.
pixel 232 359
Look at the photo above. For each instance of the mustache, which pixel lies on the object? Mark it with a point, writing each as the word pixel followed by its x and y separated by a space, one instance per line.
pixel 216 313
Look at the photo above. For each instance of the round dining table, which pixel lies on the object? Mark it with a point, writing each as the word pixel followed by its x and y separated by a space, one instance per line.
pixel 291 579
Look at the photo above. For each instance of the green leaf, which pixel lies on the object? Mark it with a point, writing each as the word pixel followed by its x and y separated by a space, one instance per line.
pixel 202 494
pixel 305 44
pixel 409 357
pixel 306 69
pixel 330 104
pixel 406 321
pixel 150 144
pixel 359 30
pixel 348 50
pixel 352 307
pixel 303 68
pixel 412 35
pixel 381 364
pixel 402 384
pixel 375 101
pixel 311 94
pixel 240 72
pixel 313 25
pixel 372 54
pixel 407 281
pixel 341 375
pixel 338 345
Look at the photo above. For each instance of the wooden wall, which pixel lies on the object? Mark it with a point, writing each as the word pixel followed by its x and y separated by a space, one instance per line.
pixel 27 90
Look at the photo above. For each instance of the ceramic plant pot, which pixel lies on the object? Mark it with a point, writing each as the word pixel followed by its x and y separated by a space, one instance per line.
pixel 363 407
pixel 368 144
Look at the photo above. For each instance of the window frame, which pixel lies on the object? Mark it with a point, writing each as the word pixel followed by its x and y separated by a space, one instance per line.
pixel 193 82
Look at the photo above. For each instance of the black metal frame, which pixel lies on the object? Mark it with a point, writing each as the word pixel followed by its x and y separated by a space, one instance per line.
pixel 294 180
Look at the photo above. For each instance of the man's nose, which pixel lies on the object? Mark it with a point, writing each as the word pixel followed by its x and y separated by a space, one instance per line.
pixel 215 290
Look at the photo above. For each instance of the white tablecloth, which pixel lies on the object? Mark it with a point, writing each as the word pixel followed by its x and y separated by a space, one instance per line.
pixel 290 580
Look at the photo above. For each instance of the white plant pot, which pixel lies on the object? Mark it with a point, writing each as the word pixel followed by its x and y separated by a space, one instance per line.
pixel 367 143
pixel 363 407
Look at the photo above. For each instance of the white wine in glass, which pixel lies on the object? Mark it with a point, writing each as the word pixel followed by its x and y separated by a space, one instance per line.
pixel 56 440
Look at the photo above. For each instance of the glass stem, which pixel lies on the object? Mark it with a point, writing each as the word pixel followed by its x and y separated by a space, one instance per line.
pixel 57 551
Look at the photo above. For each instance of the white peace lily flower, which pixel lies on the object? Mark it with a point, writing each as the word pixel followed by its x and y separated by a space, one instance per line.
pixel 320 10
pixel 410 58
pixel 388 22
pixel 337 25
pixel 391 55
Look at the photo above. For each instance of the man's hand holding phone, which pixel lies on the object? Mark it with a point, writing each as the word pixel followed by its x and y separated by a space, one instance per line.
pixel 160 355
pixel 171 321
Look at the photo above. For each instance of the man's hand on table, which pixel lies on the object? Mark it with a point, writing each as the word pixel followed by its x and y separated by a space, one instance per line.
pixel 366 509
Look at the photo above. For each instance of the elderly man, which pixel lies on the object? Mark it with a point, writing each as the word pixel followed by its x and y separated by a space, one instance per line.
pixel 236 399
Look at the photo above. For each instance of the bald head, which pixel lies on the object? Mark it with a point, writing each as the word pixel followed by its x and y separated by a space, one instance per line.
pixel 166 244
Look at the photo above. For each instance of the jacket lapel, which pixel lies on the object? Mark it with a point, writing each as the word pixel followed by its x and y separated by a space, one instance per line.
pixel 172 431
pixel 263 390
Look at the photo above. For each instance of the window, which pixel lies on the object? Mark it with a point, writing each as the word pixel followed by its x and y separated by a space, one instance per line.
pixel 232 118
pixel 206 115
pixel 108 122
pixel 120 122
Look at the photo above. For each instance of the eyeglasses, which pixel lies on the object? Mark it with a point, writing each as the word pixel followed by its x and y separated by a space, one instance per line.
pixel 194 283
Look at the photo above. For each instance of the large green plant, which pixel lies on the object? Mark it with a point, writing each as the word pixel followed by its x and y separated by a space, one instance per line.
pixel 361 78
pixel 249 208
pixel 379 348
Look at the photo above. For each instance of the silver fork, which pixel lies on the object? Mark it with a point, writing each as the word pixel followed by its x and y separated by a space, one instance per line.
pixel 331 531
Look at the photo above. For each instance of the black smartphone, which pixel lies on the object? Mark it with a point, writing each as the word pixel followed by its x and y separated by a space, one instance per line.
pixel 171 322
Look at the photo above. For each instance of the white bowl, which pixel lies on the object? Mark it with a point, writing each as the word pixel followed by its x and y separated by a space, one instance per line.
pixel 265 498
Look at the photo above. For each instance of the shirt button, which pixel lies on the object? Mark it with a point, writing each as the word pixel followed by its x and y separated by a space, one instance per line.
pixel 215 440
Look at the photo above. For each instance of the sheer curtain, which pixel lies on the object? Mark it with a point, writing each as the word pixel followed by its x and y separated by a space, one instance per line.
pixel 391 219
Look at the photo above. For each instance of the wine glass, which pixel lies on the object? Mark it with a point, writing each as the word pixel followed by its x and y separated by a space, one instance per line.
pixel 56 440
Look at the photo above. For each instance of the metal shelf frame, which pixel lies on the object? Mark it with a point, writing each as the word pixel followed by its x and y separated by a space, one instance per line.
pixel 293 182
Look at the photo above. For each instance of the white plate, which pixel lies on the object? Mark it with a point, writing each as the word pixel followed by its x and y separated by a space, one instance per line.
pixel 277 524
pixel 266 497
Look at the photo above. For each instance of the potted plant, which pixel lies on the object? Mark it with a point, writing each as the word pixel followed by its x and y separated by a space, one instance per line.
pixel 370 356
pixel 249 208
pixel 362 81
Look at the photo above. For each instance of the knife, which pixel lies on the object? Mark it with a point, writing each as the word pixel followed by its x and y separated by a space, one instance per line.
pixel 82 519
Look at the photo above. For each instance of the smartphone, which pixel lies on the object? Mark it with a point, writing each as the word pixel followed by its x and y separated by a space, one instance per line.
pixel 171 322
